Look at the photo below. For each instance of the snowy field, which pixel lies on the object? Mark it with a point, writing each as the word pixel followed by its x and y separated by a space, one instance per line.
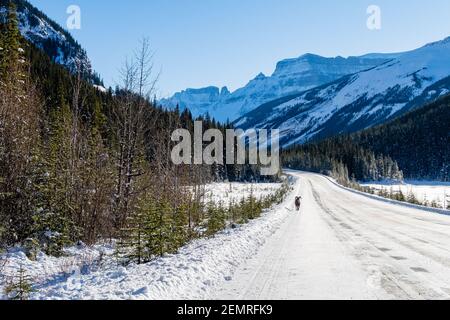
pixel 226 193
pixel 425 191
pixel 87 273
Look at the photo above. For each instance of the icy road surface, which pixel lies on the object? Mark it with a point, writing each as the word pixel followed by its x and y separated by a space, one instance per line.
pixel 344 245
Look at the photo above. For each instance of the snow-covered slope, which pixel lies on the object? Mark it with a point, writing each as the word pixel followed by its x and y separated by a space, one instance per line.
pixel 291 76
pixel 47 35
pixel 359 100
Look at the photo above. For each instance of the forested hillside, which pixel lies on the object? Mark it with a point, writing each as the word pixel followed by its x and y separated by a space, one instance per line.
pixel 78 164
pixel 416 143
pixel 419 141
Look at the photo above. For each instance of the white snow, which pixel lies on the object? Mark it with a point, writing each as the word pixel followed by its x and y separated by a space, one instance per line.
pixel 100 88
pixel 425 191
pixel 226 193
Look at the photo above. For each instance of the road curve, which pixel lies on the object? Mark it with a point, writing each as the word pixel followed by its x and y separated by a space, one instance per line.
pixel 344 245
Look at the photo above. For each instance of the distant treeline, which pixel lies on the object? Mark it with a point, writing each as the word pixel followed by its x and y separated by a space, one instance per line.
pixel 343 159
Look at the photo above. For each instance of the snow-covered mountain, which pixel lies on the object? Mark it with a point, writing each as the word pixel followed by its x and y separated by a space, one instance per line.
pixel 47 35
pixel 291 76
pixel 360 100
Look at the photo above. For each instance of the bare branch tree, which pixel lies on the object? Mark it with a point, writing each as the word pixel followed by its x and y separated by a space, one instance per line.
pixel 133 116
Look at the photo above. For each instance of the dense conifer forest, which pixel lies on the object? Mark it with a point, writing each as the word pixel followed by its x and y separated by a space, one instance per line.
pixel 418 141
pixel 343 159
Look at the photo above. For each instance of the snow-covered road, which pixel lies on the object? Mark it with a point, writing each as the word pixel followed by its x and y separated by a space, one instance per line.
pixel 342 245
pixel 345 245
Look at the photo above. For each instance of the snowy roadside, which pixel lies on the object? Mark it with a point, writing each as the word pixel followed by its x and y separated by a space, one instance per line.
pixel 391 201
pixel 425 191
pixel 199 267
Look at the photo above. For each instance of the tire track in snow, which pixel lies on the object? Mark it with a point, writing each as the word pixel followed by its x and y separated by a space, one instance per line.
pixel 395 276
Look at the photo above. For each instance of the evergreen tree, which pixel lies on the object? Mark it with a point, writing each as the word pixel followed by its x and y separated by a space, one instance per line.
pixel 150 232
pixel 20 286
pixel 411 198
pixel 19 137
pixel 216 218
pixel 132 246
pixel 12 65
pixel 55 222
pixel 179 229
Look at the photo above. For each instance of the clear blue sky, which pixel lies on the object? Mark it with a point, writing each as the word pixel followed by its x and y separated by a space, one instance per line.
pixel 228 42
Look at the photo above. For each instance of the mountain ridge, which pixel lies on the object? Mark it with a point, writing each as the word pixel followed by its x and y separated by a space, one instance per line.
pixel 290 76
pixel 47 35
pixel 361 100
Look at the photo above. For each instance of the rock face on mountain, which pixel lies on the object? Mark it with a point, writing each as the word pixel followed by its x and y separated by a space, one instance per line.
pixel 197 100
pixel 360 100
pixel 291 76
pixel 47 35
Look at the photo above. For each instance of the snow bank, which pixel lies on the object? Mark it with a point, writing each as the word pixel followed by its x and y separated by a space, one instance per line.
pixel 395 202
pixel 425 191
